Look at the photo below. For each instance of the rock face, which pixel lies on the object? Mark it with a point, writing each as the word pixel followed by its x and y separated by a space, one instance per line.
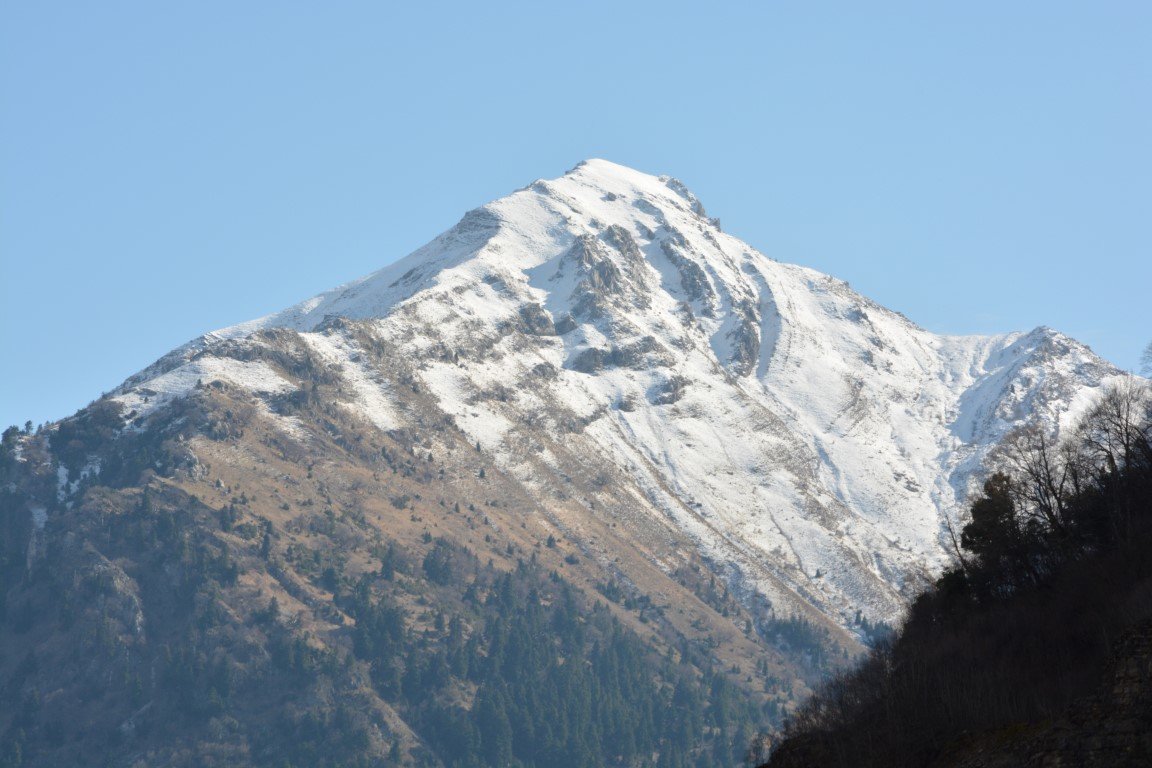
pixel 809 444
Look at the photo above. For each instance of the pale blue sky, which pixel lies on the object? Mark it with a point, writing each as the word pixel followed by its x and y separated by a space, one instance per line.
pixel 170 168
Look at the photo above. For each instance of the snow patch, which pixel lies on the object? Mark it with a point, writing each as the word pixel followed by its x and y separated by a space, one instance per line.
pixel 255 376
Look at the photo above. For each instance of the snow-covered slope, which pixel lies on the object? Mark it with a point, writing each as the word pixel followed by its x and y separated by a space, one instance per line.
pixel 607 344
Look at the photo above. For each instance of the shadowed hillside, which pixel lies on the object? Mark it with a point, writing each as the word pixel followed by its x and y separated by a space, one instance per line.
pixel 1037 646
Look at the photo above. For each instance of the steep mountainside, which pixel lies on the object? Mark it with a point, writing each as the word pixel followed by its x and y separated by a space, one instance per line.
pixel 582 460
pixel 208 588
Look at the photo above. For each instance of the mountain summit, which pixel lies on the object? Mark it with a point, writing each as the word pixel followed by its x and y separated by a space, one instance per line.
pixel 583 481
pixel 639 371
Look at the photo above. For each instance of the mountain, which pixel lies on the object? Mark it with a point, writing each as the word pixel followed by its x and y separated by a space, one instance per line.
pixel 584 412
pixel 609 347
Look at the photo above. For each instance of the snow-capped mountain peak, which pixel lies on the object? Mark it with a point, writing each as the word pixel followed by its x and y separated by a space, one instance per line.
pixel 616 352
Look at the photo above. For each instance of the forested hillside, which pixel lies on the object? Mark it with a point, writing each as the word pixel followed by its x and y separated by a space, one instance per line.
pixel 1036 644
pixel 195 590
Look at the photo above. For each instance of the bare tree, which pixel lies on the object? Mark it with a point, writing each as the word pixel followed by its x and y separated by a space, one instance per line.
pixel 1113 435
pixel 1117 430
pixel 1113 439
pixel 1043 477
pixel 1146 360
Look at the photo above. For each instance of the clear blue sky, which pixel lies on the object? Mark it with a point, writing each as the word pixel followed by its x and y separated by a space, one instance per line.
pixel 170 168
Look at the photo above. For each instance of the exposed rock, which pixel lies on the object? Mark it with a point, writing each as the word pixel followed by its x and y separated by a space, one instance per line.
pixel 536 320
pixel 643 354
pixel 693 281
pixel 745 338
pixel 565 324
pixel 622 240
pixel 589 360
pixel 678 187
pixel 669 391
